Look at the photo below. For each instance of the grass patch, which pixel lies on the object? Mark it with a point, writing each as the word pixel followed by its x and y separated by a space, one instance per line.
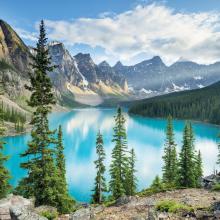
pixel 172 206
pixel 50 215
pixel 216 187
pixel 109 203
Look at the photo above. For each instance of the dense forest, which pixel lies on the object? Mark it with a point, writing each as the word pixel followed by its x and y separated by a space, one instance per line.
pixel 199 104
pixel 10 114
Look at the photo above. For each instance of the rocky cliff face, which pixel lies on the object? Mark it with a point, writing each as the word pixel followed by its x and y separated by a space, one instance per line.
pixel 66 70
pixel 12 48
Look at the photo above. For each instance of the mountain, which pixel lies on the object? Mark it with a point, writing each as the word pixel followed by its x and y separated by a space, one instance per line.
pixel 12 48
pixel 148 74
pixel 76 79
pixel 14 64
pixel 80 76
pixel 156 78
pixel 199 104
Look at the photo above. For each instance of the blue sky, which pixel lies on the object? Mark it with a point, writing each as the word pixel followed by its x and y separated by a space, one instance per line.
pixel 126 30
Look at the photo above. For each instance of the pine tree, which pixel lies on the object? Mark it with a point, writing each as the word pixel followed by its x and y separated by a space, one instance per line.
pixel 186 172
pixel 157 184
pixel 65 202
pixel 170 156
pixel 119 164
pixel 218 156
pixel 43 179
pixel 131 180
pixel 198 169
pixel 100 184
pixel 4 173
pixel 60 159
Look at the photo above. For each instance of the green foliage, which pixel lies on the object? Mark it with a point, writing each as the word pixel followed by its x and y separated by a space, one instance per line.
pixel 172 206
pixel 109 201
pixel 170 156
pixel 131 180
pixel 187 166
pixel 200 104
pixel 119 164
pixel 12 115
pixel 60 159
pixel 218 156
pixel 4 173
pixel 100 184
pixel 216 187
pixel 157 185
pixel 44 180
pixel 198 169
pixel 49 215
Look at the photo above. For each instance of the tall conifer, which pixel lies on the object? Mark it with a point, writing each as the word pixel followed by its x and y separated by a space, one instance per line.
pixel 100 184
pixel 43 180
pixel 186 172
pixel 131 180
pixel 170 156
pixel 119 165
pixel 60 159
pixel 198 168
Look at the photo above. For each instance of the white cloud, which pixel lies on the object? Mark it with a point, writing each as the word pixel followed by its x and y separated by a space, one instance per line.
pixel 152 29
pixel 26 35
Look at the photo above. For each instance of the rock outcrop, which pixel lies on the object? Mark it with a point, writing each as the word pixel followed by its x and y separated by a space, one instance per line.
pixel 205 204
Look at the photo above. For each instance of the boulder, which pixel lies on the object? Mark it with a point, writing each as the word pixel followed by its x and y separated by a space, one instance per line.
pixel 23 213
pixel 83 214
pixel 86 213
pixel 208 181
pixel 123 200
pixel 12 200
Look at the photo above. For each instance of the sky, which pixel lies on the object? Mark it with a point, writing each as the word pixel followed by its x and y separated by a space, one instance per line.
pixel 125 30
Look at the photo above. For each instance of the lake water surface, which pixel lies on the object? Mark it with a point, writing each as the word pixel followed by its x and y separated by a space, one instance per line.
pixel 145 135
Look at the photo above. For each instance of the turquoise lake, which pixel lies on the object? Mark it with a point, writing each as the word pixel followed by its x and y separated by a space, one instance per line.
pixel 145 135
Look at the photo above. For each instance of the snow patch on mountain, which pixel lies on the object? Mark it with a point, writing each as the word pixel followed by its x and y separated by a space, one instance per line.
pixel 143 90
pixel 198 77
pixel 84 80
pixel 200 86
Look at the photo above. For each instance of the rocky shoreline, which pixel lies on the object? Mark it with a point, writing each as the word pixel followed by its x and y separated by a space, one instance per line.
pixel 205 205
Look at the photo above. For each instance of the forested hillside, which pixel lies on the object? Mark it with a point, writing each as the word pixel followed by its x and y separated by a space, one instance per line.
pixel 200 104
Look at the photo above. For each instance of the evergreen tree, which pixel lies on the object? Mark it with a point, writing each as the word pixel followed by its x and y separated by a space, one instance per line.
pixel 170 157
pixel 65 202
pixel 218 156
pixel 100 184
pixel 186 172
pixel 60 159
pixel 131 180
pixel 119 165
pixel 198 168
pixel 43 179
pixel 4 173
pixel 157 184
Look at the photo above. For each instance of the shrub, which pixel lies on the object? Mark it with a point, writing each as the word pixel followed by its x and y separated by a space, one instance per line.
pixel 216 187
pixel 50 215
pixel 172 206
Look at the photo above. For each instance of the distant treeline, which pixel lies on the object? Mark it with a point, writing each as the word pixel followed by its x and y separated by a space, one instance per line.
pixel 14 116
pixel 200 104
